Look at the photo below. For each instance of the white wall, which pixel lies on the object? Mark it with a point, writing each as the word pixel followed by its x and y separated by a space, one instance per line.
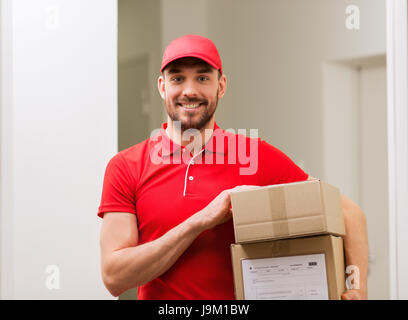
pixel 181 17
pixel 374 176
pixel 273 53
pixel 59 128
pixel 341 121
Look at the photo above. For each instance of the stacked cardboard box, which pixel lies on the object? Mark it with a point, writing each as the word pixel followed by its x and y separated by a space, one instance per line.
pixel 288 242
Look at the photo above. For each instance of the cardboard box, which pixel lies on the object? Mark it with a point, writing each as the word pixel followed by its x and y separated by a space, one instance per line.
pixel 286 211
pixel 310 268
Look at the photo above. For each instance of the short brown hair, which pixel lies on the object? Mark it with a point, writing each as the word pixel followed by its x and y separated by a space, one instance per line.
pixel 190 61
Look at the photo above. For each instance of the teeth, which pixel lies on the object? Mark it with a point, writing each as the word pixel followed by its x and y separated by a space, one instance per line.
pixel 191 106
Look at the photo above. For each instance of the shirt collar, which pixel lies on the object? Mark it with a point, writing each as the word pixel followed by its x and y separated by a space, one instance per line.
pixel 169 147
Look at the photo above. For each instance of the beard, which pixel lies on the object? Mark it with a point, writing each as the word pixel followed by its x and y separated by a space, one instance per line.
pixel 191 123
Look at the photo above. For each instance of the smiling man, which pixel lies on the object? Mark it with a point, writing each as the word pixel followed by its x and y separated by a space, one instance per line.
pixel 193 108
pixel 167 225
pixel 190 89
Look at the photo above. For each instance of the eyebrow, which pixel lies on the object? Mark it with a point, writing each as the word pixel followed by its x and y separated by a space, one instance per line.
pixel 173 70
pixel 205 70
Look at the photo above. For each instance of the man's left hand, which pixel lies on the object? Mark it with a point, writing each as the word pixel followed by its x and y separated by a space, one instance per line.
pixel 352 294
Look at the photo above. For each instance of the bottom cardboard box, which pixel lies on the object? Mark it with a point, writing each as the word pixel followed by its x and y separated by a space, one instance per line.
pixel 310 268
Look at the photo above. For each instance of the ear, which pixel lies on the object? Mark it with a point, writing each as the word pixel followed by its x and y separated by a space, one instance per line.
pixel 161 86
pixel 222 86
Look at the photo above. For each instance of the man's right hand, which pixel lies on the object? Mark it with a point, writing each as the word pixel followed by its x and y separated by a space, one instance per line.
pixel 219 210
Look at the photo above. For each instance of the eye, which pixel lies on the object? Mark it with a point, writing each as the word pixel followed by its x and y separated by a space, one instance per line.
pixel 203 78
pixel 176 79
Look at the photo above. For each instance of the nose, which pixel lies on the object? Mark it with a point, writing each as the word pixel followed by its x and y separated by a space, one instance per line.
pixel 189 90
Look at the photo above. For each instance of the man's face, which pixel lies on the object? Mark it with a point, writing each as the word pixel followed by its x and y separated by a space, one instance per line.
pixel 190 89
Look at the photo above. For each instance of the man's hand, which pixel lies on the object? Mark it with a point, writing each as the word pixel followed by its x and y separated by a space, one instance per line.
pixel 127 264
pixel 352 294
pixel 216 212
pixel 219 211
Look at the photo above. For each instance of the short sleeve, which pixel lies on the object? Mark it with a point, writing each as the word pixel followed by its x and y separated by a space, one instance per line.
pixel 118 192
pixel 277 167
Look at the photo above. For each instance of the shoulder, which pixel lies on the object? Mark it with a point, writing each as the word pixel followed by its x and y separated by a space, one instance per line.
pixel 241 136
pixel 272 156
pixel 268 149
pixel 243 140
pixel 136 153
pixel 130 161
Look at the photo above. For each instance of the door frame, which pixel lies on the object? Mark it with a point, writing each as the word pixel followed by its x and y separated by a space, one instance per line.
pixel 397 74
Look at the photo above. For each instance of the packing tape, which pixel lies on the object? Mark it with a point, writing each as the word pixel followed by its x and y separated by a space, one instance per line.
pixel 277 203
pixel 278 247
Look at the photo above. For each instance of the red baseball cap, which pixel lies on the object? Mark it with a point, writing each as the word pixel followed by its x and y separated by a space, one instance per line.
pixel 192 45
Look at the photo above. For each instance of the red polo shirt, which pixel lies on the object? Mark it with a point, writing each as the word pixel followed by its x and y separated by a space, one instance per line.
pixel 163 184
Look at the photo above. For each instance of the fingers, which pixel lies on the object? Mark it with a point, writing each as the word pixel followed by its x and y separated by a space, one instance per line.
pixel 245 188
pixel 351 295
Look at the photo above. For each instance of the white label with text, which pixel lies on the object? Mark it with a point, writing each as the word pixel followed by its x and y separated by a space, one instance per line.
pixel 293 278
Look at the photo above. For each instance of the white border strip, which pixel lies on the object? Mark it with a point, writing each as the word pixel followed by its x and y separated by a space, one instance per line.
pixel 6 137
pixel 397 145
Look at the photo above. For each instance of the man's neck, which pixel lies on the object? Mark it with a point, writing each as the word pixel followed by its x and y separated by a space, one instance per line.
pixel 194 143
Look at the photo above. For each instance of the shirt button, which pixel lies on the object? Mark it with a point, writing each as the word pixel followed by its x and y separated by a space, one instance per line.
pixel 191 178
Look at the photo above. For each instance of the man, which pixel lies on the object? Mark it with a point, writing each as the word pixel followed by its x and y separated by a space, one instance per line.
pixel 166 205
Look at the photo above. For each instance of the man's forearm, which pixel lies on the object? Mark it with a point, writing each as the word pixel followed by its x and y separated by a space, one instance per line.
pixel 131 267
pixel 356 242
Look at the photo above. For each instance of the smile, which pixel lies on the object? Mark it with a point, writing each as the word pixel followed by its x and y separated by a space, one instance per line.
pixel 190 106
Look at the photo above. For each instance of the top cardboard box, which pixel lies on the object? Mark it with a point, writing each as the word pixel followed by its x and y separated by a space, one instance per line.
pixel 288 210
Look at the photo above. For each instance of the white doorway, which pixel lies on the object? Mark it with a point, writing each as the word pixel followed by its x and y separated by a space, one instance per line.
pixel 355 151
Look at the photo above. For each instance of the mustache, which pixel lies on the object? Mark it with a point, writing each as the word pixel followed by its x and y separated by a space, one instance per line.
pixel 192 100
